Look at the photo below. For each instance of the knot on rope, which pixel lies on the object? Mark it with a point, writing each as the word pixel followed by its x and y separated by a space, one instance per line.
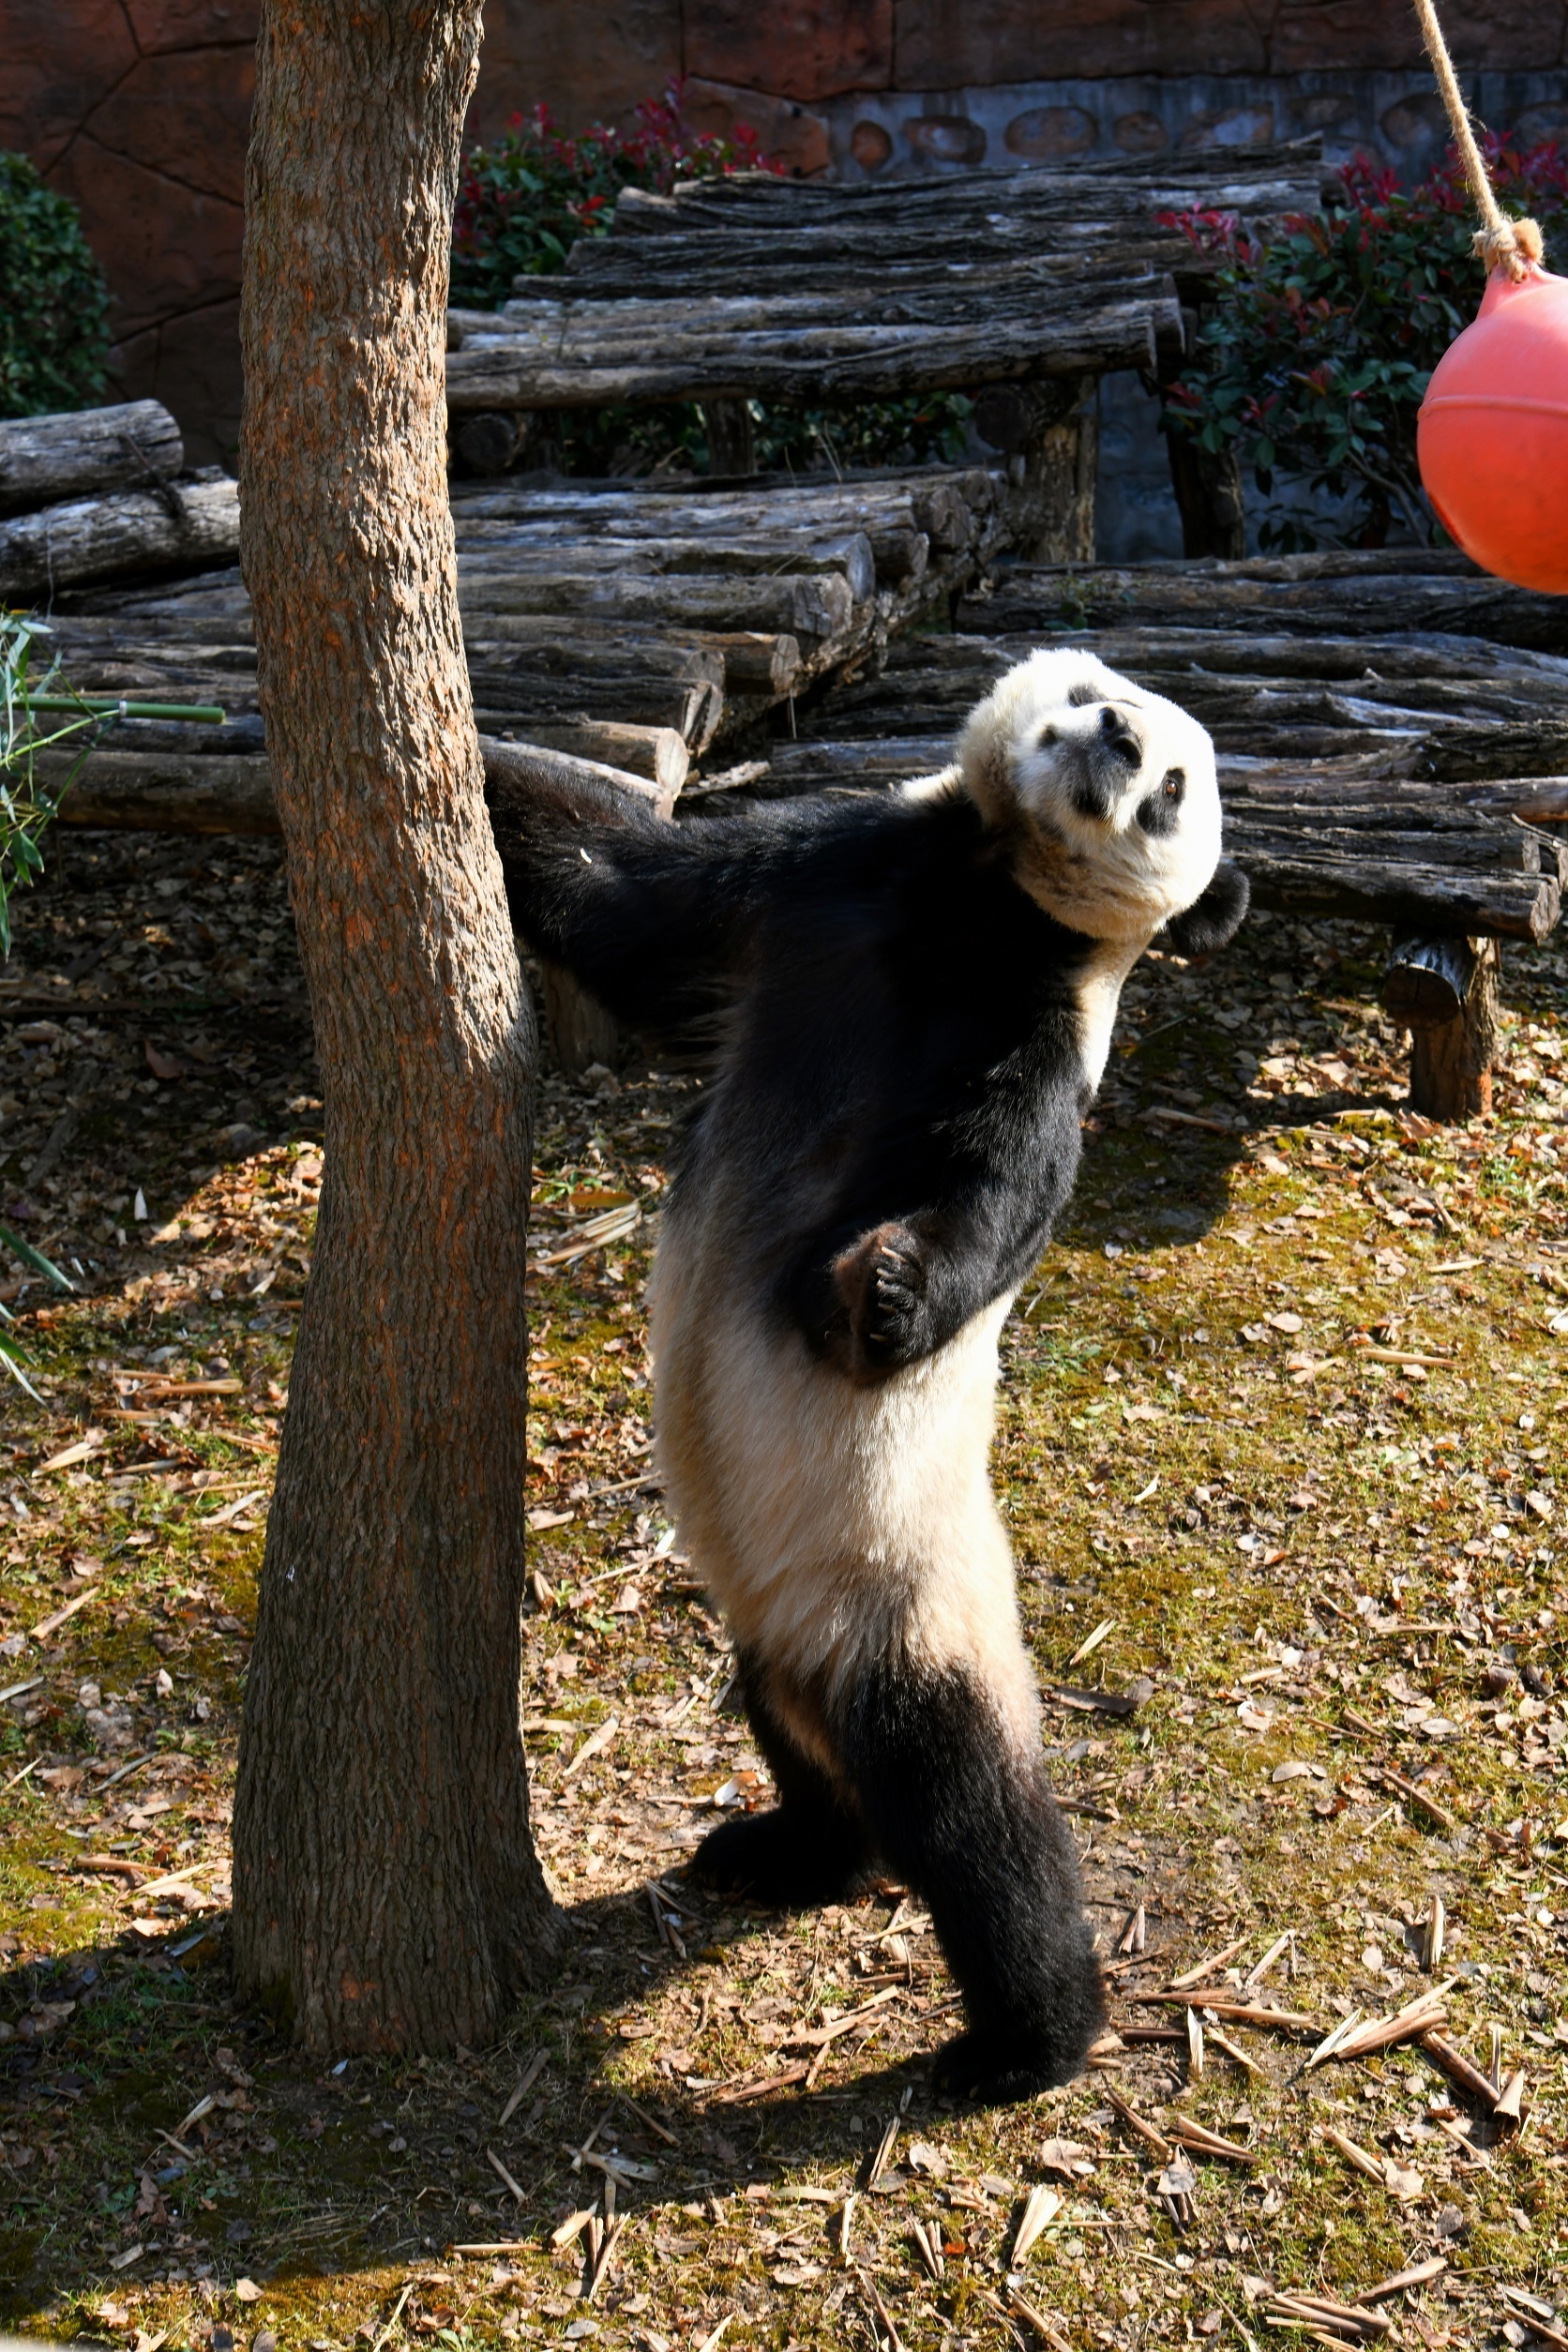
pixel 1501 243
pixel 1515 246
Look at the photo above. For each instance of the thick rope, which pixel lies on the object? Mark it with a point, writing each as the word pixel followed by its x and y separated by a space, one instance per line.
pixel 1501 243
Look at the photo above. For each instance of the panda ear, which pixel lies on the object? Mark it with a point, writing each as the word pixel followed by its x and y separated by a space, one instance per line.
pixel 985 767
pixel 1214 920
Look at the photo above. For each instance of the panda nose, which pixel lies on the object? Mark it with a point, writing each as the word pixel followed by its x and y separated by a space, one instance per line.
pixel 1116 730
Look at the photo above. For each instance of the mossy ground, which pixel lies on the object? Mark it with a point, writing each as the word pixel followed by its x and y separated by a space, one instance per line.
pixel 1306 1554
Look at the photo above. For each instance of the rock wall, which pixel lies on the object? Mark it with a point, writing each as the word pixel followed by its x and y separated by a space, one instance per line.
pixel 137 109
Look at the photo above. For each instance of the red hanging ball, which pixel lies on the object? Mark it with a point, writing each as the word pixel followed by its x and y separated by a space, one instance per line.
pixel 1492 435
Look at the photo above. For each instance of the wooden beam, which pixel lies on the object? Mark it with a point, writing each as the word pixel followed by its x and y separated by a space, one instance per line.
pixel 81 452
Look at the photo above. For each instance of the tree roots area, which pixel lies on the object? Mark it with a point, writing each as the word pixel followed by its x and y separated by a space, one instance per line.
pixel 1282 1416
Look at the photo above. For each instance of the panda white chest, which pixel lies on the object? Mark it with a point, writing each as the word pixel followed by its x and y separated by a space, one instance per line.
pixel 1099 994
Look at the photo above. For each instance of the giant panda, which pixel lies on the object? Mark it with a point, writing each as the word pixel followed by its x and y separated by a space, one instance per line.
pixel 912 997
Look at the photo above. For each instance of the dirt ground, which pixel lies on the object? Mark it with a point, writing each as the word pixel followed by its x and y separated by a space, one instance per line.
pixel 1278 1441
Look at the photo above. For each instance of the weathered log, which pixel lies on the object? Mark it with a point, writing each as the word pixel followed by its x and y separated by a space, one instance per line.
pixel 1445 991
pixel 579 1029
pixel 123 792
pixel 754 662
pixel 1044 251
pixel 820 607
pixel 80 453
pixel 1385 591
pixel 729 426
pixel 900 552
pixel 657 754
pixel 128 531
pixel 896 552
pixel 172 792
pixel 1269 179
pixel 1461 872
pixel 585 354
pixel 491 550
pixel 1427 981
pixel 520 700
pixel 1210 498
pixel 951 506
pixel 1052 509
pixel 487 443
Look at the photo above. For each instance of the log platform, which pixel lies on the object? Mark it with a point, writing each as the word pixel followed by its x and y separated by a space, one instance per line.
pixel 1019 288
pixel 644 627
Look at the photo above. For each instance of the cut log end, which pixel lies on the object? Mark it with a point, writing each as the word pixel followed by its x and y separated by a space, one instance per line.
pixel 1445 991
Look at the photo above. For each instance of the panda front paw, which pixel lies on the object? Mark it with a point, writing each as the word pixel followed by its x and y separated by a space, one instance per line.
pixel 884 1284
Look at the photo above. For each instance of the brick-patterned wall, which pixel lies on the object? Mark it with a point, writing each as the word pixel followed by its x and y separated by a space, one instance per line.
pixel 138 108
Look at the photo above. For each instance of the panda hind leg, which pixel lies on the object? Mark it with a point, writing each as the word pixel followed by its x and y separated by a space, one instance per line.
pixel 958 1811
pixel 808 1849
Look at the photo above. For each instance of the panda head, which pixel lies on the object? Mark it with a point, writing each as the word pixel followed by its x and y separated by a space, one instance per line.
pixel 1106 795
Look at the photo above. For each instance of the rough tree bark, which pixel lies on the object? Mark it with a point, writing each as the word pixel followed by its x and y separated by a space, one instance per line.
pixel 386 1891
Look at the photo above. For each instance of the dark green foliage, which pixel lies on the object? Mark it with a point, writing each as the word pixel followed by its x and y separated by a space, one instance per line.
pixel 526 198
pixel 54 304
pixel 1313 362
pixel 631 441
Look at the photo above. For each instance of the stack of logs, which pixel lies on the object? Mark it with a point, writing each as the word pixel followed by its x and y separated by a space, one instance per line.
pixel 1019 288
pixel 1391 729
pixel 644 627
pixel 101 493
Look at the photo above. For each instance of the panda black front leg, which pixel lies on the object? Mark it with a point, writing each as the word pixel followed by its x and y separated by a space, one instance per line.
pixel 960 1808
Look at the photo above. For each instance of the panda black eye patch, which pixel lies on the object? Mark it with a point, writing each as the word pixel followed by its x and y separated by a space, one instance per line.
pixel 1156 813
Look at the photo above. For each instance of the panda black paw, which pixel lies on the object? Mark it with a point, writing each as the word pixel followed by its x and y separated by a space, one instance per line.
pixel 990 2070
pixel 884 1283
pixel 775 1859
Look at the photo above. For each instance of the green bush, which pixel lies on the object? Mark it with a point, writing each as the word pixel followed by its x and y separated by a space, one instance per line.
pixel 527 197
pixel 54 304
pixel 524 201
pixel 1315 356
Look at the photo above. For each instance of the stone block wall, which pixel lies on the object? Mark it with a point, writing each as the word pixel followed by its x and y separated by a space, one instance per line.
pixel 137 109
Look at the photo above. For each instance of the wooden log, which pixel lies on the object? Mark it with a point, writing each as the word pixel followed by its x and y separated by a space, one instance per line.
pixel 1011 416
pixel 1457 876
pixel 819 608
pixel 143 792
pixel 1407 896
pixel 127 531
pixel 658 754
pixel 80 453
pixel 587 355
pixel 891 550
pixel 1270 178
pixel 1045 252
pixel 520 701
pixel 1427 981
pixel 1343 594
pixel 123 792
pixel 1445 991
pixel 578 1030
pixel 950 507
pixel 512 552
pixel 487 443
pixel 755 660
pixel 730 427
pixel 1209 497
pixel 1053 507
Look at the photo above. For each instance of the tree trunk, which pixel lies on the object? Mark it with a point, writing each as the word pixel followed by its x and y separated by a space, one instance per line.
pixel 386 1891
